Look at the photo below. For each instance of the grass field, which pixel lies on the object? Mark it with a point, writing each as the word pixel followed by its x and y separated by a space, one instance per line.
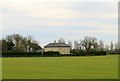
pixel 92 67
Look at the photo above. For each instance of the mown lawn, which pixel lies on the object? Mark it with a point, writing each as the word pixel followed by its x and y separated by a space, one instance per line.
pixel 92 67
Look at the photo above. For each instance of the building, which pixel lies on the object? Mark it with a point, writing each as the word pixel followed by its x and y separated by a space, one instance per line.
pixel 62 48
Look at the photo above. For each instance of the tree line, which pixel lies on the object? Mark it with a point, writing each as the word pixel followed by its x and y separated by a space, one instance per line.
pixel 18 43
pixel 89 44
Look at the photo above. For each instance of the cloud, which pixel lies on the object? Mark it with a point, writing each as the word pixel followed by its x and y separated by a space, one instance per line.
pixel 64 10
pixel 44 10
pixel 51 20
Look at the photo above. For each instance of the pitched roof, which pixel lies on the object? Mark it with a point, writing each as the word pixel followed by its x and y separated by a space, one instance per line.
pixel 57 45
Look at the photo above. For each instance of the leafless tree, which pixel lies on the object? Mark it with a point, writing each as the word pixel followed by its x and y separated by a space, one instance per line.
pixel 89 43
pixel 106 47
pixel 111 46
pixel 76 45
pixel 116 46
pixel 101 45
pixel 70 44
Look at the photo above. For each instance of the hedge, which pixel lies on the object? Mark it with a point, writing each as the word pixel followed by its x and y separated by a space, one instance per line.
pixel 51 53
pixel 98 53
pixel 30 54
pixel 84 53
pixel 21 54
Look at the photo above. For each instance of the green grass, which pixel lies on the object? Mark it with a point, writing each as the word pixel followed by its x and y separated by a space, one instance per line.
pixel 92 67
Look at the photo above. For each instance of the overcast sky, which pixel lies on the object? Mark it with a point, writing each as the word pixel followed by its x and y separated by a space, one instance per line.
pixel 48 21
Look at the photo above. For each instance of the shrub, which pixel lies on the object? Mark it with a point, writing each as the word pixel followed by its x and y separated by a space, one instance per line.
pixel 21 54
pixel 98 53
pixel 84 53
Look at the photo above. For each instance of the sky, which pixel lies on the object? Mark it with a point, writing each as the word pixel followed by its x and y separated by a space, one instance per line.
pixel 72 20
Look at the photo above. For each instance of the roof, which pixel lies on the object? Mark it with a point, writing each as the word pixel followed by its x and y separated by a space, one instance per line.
pixel 57 45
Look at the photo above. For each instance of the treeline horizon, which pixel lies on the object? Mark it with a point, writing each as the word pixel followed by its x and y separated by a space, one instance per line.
pixel 19 43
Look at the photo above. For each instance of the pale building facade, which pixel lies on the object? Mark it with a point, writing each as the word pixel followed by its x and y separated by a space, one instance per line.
pixel 62 48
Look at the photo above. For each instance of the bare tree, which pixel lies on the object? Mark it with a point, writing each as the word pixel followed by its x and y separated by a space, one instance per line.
pixel 70 44
pixel 76 45
pixel 94 43
pixel 116 46
pixel 106 47
pixel 111 46
pixel 89 43
pixel 29 42
pixel 101 45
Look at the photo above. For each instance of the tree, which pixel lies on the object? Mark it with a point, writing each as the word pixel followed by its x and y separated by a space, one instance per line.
pixel 17 39
pixel 116 46
pixel 70 44
pixel 35 47
pixel 106 47
pixel 76 45
pixel 89 43
pixel 10 46
pixel 111 46
pixel 24 43
pixel 94 43
pixel 4 45
pixel 16 42
pixel 7 46
pixel 101 45
pixel 30 39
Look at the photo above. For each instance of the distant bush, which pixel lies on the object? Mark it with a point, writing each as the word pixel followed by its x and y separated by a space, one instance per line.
pixel 98 53
pixel 114 52
pixel 84 53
